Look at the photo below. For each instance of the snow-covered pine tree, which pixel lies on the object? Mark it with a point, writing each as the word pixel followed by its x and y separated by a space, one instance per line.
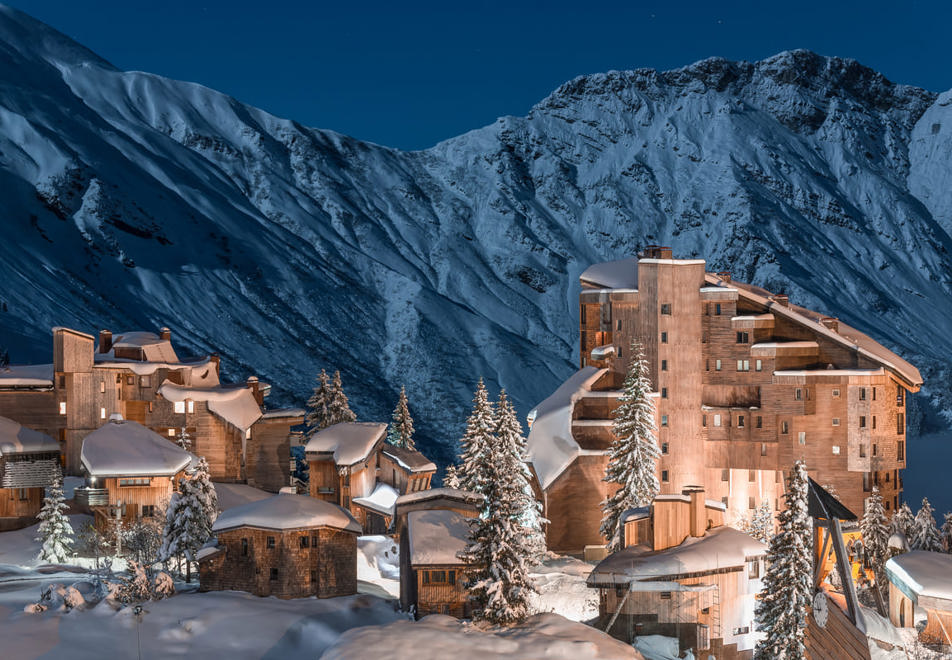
pixel 500 546
pixel 476 442
pixel 54 532
pixel 947 533
pixel 184 439
pixel 451 478
pixel 338 408
pixel 189 518
pixel 925 534
pixel 875 530
pixel 400 433
pixel 761 523
pixel 903 521
pixel 634 452
pixel 781 610
pixel 318 406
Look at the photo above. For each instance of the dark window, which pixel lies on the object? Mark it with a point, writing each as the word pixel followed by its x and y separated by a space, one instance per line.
pixel 451 577
pixel 867 485
pixel 874 421
pixel 274 574
pixel 763 448
pixel 244 547
pixel 740 421
pixel 784 427
pixel 760 422
pixel 742 630
pixel 665 595
pixel 313 541
pixel 664 475
pixel 664 447
pixel 717 309
pixel 666 309
pixel 426 577
pixel 581 314
pixel 751 476
pixel 874 394
pixel 703 420
pixel 270 543
pixel 618 324
pixel 862 394
pixel 743 338
pixel 900 424
pixel 875 448
pixel 725 475
pixel 899 395
pixel 148 510
pixel 664 420
pixel 862 421
pixel 130 380
pixel 313 576
pixel 900 451
pixel 24 494
pixel 438 577
pixel 664 392
pixel 751 503
pixel 664 337
pixel 304 541
pixel 798 394
pixel 862 451
pixel 664 365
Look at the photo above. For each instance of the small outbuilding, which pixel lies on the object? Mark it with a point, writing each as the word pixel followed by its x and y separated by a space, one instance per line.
pixel 289 546
pixel 29 461
pixel 920 588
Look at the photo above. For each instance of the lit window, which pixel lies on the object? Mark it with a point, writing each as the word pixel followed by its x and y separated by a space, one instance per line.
pixel 102 387
pixel 836 450
pixel 743 365
pixel 191 406
pixel 180 407
pixel 102 413
pixel 836 421
pixel 759 365
pixel 717 365
pixel 802 437
pixel 717 420
pixel 62 407
pixel 171 433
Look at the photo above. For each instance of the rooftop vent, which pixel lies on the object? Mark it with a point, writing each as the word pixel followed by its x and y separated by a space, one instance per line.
pixel 725 276
pixel 831 323
pixel 165 334
pixel 105 341
pixel 782 299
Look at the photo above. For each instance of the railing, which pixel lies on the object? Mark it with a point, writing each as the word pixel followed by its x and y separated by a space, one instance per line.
pixel 89 497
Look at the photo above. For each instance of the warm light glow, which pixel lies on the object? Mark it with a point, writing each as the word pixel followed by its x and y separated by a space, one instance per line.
pixel 62 407
pixel 180 407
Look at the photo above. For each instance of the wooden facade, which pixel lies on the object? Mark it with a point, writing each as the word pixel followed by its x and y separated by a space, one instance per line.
pixel 132 498
pixel 29 462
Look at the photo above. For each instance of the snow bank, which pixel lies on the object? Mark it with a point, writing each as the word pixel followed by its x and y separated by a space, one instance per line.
pixel 561 587
pixel 350 442
pixel 18 439
pixel 378 563
pixel 124 448
pixel 548 636
pixel 287 512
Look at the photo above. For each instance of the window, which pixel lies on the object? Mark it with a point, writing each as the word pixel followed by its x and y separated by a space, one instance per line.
pixel 784 427
pixel 875 448
pixel 740 421
pixel 751 476
pixel 451 577
pixel 836 394
pixel 313 577
pixel 191 406
pixel 725 475
pixel 900 424
pixel 743 338
pixel 23 494
pixel 899 395
pixel 145 381
pixel 664 476
pixel 802 437
pixel 148 510
pixel 134 481
pixel 798 394
pixel 760 422
pixel 664 365
pixel 171 433
pixel 274 574
pixel 874 394
pixel 130 380
pixel 724 500
pixel 717 309
pixel 836 421
pixel 707 365
pixel 620 592
pixel 664 447
pixel 874 421
pixel 664 337
pixel 759 365
pixel 717 420
pixel 862 421
pixel 900 451
pixel 305 542
pixel 426 576
pixel 664 392
pixel 751 503
pixel 665 595
pixel 313 541
pixel 270 543
pixel 887 477
pixel 619 351
pixel 741 631
pixel 862 394
pixel 102 413
pixel 763 448
pixel 244 547
pixel 666 309
pixel 867 483
pixel 836 450
pixel 862 451
pixel 703 420
pixel 438 577
pixel 717 365
pixel 743 365
pixel 664 420
pixel 62 407
pixel 753 569
pixel 618 324
pixel 102 387
pixel 180 407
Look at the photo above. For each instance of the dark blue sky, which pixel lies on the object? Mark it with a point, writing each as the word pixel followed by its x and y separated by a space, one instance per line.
pixel 411 74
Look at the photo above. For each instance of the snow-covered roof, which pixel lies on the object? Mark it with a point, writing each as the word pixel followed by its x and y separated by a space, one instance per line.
pixel 282 413
pixel 436 536
pixel 232 495
pixel 638 513
pixel 602 352
pixel 551 446
pixel 200 372
pixel 721 547
pixel 18 439
pixel 236 404
pixel 28 375
pixel 435 493
pixel 621 274
pixel 409 459
pixel 283 512
pixel 922 573
pixel 124 448
pixel 382 500
pixel 350 442
pixel 154 348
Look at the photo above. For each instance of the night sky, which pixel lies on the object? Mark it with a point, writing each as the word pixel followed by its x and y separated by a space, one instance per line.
pixel 411 74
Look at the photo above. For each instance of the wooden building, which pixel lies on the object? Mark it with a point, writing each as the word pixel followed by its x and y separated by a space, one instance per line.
pixel 921 582
pixel 745 383
pixel 130 470
pixel 683 575
pixel 139 375
pixel 29 462
pixel 289 546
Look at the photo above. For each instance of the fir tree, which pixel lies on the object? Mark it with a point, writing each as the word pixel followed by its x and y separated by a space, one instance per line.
pixel 925 535
pixel 903 521
pixel 761 525
pixel 875 530
pixel 54 533
pixel 318 406
pixel 787 585
pixel 476 443
pixel 189 518
pixel 400 433
pixel 338 408
pixel 634 452
pixel 501 545
pixel 451 478
pixel 947 533
pixel 184 439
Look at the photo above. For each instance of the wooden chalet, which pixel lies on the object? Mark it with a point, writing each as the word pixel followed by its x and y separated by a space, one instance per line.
pixel 29 462
pixel 920 594
pixel 139 375
pixel 682 574
pixel 289 546
pixel 406 470
pixel 131 472
pixel 744 383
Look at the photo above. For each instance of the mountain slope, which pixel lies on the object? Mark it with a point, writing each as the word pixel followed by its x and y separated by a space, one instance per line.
pixel 132 200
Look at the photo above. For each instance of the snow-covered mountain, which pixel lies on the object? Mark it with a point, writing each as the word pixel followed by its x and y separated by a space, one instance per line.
pixel 134 201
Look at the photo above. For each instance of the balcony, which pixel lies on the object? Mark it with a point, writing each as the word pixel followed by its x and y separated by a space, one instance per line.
pixel 90 497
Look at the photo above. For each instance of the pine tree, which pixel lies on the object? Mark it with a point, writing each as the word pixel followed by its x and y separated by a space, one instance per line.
pixel 451 478
pixel 903 521
pixel 925 535
pixel 875 530
pixel 54 532
pixel 476 443
pixel 761 525
pixel 400 433
pixel 947 533
pixel 338 408
pixel 184 439
pixel 787 586
pixel 634 451
pixel 501 545
pixel 189 518
pixel 318 412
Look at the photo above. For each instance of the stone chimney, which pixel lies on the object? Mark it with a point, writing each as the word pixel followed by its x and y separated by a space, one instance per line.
pixel 665 253
pixel 725 276
pixel 698 524
pixel 781 299
pixel 650 252
pixel 165 334
pixel 831 323
pixel 216 360
pixel 105 341
pixel 255 388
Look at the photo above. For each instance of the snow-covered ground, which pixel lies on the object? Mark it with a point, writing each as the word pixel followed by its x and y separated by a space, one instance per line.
pixel 561 585
pixel 378 563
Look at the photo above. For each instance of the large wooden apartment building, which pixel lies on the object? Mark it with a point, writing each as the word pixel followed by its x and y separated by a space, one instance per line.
pixel 745 383
pixel 139 376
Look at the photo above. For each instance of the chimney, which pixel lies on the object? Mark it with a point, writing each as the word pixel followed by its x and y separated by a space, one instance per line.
pixel 698 524
pixel 650 252
pixel 105 341
pixel 165 334
pixel 253 385
pixel 831 323
pixel 725 276
pixel 781 299
pixel 665 253
pixel 216 360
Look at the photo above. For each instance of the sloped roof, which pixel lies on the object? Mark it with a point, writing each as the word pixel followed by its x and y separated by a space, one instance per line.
pixel 822 504
pixel 620 274
pixel 436 536
pixel 154 349
pixel 922 573
pixel 466 496
pixel 18 439
pixel 282 512
pixel 350 442
pixel 382 500
pixel 236 404
pixel 124 448
pixel 409 459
